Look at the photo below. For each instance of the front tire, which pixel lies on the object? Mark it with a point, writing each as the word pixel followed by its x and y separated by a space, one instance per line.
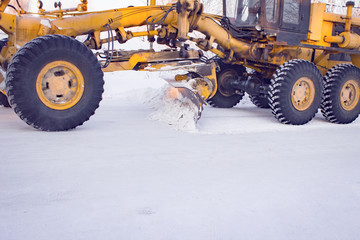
pixel 54 83
pixel 340 102
pixel 295 92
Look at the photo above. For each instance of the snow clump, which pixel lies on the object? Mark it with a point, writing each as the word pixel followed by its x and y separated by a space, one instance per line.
pixel 172 108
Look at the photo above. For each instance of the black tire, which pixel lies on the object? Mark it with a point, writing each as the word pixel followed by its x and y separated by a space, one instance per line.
pixel 4 101
pixel 226 96
pixel 333 106
pixel 25 73
pixel 293 80
pixel 259 101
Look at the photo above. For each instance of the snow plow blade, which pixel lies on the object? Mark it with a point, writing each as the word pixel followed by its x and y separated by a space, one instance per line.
pixel 187 99
pixel 192 85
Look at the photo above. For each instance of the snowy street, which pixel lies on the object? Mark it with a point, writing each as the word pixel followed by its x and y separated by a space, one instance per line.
pixel 142 169
pixel 239 174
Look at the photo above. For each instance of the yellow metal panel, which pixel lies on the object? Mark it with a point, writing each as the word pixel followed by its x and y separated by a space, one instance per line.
pixel 316 20
pixel 3 5
pixel 29 28
pixel 355 60
pixel 322 61
pixel 7 22
pixel 327 29
pixel 305 53
pixel 332 17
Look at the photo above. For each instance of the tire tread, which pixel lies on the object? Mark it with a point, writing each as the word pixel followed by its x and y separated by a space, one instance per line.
pixel 16 90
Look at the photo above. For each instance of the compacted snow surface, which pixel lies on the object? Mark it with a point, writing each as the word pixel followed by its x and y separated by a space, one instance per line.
pixel 135 172
pixel 239 174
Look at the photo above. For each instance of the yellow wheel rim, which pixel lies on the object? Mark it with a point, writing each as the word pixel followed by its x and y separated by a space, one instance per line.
pixel 303 94
pixel 60 85
pixel 349 96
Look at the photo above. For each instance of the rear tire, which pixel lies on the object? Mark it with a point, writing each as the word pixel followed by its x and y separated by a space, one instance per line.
pixel 340 102
pixel 54 83
pixel 226 96
pixel 260 102
pixel 295 92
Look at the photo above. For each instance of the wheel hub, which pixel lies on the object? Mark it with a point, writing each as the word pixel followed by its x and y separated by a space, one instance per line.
pixel 60 85
pixel 225 83
pixel 303 93
pixel 349 96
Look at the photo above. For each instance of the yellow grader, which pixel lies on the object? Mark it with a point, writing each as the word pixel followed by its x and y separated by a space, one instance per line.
pixel 291 56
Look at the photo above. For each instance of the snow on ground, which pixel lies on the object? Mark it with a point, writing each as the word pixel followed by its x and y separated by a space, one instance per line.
pixel 240 175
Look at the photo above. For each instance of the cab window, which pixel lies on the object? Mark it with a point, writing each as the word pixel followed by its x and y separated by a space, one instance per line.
pixel 291 11
pixel 271 11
